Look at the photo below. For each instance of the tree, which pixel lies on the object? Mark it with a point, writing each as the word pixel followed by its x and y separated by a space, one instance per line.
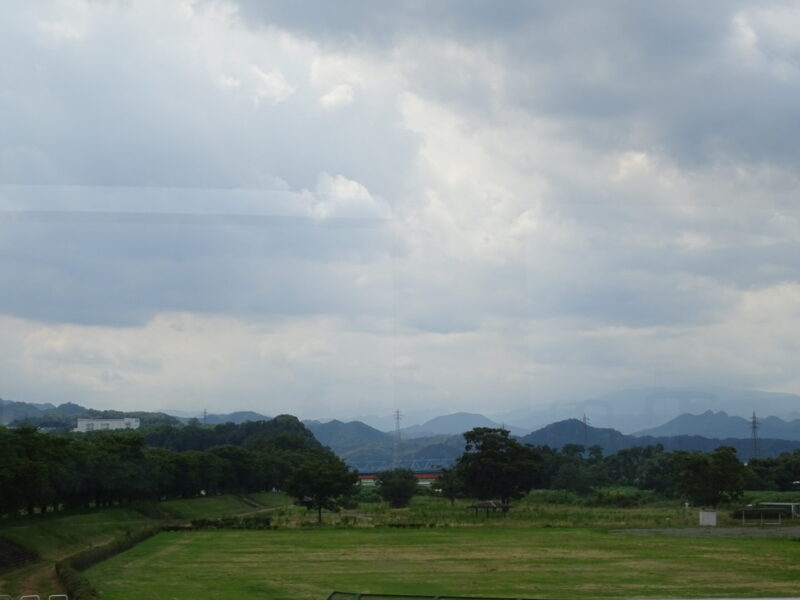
pixel 397 487
pixel 709 479
pixel 319 481
pixel 449 484
pixel 495 465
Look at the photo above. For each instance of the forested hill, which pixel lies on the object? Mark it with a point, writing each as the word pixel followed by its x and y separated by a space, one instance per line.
pixel 62 418
pixel 573 431
pixel 284 430
pixel 344 438
pixel 44 470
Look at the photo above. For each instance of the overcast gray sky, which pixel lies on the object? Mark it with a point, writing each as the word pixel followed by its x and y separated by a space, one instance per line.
pixel 342 208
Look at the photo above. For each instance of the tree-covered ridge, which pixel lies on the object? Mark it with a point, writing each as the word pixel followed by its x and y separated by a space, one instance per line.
pixel 40 472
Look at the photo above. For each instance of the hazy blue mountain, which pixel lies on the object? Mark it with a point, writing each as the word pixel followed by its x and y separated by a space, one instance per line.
pixel 69 409
pixel 344 438
pixel 722 425
pixel 454 424
pixel 634 410
pixel 11 411
pixel 573 431
pixel 237 417
pixel 369 449
pixel 381 423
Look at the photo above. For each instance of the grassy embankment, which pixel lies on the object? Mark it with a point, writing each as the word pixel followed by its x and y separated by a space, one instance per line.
pixel 55 536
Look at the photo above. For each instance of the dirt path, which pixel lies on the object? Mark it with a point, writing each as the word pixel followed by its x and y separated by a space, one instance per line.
pixel 752 531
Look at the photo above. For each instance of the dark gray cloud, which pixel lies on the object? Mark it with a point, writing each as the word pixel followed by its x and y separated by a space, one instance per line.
pixel 121 270
pixel 424 200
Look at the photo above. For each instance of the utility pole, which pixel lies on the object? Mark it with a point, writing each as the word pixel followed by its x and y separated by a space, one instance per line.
pixel 396 449
pixel 754 435
pixel 205 416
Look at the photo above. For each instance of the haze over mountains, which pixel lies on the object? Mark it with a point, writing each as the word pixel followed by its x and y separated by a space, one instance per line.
pixel 440 437
pixel 634 410
pixel 722 424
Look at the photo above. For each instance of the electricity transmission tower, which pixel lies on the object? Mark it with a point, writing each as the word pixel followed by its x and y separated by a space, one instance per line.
pixel 396 449
pixel 754 435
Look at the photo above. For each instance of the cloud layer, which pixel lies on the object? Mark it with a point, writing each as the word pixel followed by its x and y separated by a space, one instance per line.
pixel 343 208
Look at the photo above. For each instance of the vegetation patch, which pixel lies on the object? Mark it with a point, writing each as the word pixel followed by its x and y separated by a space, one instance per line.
pixel 470 561
pixel 258 521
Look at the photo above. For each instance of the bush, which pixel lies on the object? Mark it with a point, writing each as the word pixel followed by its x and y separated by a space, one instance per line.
pixel 367 494
pixel 249 522
pixel 619 498
pixel 554 497
pixel 397 487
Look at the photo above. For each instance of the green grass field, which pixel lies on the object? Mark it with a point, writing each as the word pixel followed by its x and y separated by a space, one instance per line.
pixel 520 562
pixel 56 536
pixel 542 549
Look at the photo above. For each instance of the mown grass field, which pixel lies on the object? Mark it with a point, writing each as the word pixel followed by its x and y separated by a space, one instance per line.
pixel 55 536
pixel 497 561
pixel 529 551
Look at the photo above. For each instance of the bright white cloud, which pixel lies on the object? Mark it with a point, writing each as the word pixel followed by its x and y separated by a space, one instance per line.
pixel 271 85
pixel 337 96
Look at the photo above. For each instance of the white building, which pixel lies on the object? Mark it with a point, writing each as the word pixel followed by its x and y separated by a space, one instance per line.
pixel 85 425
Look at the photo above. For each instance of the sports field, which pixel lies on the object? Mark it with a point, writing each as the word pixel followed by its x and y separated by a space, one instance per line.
pixel 515 562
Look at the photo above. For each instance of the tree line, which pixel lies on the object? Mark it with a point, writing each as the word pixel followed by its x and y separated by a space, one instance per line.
pixel 497 466
pixel 40 472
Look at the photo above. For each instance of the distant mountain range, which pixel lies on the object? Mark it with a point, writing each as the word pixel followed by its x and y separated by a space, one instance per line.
pixel 455 424
pixel 573 431
pixel 698 427
pixel 634 410
pixel 721 424
pixel 64 416
pixel 366 447
pixel 11 411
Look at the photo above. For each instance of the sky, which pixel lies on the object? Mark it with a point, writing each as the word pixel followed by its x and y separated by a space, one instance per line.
pixel 334 209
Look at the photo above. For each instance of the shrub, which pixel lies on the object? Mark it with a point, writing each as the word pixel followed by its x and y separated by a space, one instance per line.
pixel 397 487
pixel 248 522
